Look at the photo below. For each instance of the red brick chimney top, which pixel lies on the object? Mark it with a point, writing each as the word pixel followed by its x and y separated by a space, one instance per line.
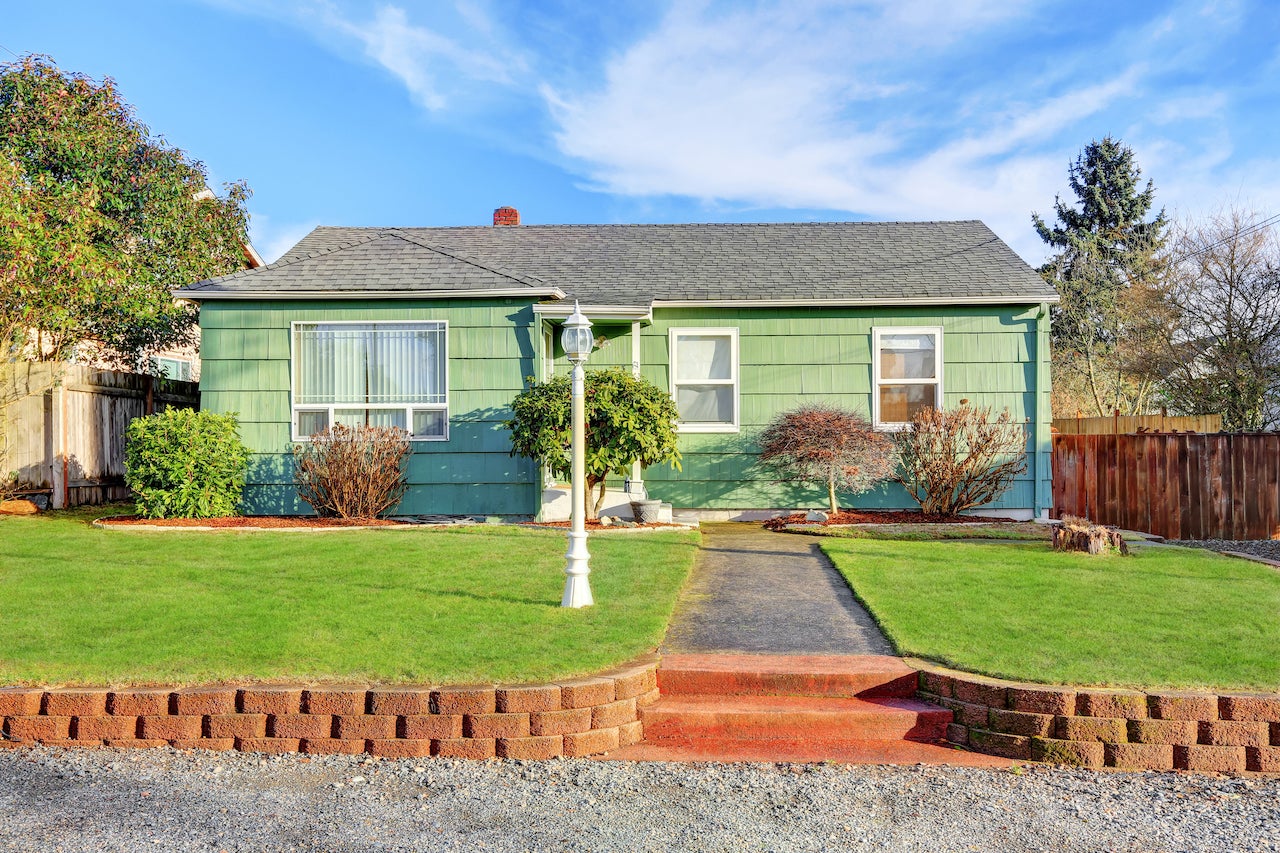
pixel 506 215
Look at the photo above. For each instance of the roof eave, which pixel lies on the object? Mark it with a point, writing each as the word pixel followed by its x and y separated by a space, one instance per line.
pixel 858 302
pixel 559 311
pixel 200 294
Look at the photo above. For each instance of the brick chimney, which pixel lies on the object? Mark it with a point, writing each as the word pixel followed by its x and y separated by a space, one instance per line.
pixel 506 215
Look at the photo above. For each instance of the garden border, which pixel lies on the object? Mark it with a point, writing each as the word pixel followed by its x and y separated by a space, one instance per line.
pixel 1107 727
pixel 573 717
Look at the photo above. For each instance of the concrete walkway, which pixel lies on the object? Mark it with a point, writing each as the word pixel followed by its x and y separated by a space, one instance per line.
pixel 754 591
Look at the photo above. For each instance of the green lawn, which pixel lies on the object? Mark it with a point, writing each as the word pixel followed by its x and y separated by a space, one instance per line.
pixel 1166 617
pixel 79 605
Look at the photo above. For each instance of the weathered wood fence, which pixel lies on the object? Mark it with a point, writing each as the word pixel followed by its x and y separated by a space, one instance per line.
pixel 65 426
pixel 1121 424
pixel 1188 486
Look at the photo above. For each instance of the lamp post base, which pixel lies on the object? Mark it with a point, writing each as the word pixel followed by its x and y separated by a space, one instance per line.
pixel 577 586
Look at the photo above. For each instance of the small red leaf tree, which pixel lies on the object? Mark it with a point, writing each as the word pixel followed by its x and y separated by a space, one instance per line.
pixel 826 445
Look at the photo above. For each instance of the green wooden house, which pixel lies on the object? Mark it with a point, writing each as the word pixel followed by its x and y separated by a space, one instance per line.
pixel 437 329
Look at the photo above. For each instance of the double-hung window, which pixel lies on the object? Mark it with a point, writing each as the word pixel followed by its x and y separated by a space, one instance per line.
pixel 704 379
pixel 371 374
pixel 908 373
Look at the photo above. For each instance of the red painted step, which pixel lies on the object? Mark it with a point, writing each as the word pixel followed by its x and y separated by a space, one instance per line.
pixel 689 718
pixel 806 752
pixel 786 675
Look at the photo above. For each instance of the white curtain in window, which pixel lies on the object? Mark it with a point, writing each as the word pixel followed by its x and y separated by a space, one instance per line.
pixel 703 357
pixel 369 363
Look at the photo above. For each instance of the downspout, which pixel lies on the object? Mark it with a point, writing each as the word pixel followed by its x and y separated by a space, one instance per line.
pixel 1042 460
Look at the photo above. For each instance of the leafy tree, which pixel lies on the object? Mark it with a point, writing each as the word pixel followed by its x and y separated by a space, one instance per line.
pixel 628 420
pixel 959 459
pixel 826 445
pixel 99 220
pixel 1107 273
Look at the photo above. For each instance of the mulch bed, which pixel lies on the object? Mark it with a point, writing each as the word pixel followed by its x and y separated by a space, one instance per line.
pixel 595 525
pixel 880 516
pixel 269 521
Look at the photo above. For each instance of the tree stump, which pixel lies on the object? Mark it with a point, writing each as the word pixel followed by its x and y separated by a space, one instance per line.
pixel 1079 534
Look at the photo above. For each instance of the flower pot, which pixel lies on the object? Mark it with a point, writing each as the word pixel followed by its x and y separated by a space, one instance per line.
pixel 646 512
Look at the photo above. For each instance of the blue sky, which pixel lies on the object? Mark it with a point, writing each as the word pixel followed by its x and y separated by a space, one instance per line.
pixel 346 112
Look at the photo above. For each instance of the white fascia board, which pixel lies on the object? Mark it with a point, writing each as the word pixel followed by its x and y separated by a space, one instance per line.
pixel 561 310
pixel 904 303
pixel 530 292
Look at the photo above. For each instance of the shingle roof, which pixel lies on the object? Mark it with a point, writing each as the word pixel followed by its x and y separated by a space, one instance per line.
pixel 636 264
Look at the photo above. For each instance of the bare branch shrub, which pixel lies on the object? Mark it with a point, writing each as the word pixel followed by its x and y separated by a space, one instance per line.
pixel 824 444
pixel 352 472
pixel 960 459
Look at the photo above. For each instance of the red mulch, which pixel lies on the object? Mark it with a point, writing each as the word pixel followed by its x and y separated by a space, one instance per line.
pixel 595 525
pixel 878 516
pixel 253 521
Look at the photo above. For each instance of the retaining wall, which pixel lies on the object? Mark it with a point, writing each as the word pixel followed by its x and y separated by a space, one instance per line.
pixel 1097 727
pixel 569 718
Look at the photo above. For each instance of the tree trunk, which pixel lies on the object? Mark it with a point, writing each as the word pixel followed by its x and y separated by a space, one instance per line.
pixel 831 495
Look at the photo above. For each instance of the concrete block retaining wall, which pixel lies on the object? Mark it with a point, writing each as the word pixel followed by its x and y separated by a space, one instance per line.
pixel 1097 727
pixel 569 718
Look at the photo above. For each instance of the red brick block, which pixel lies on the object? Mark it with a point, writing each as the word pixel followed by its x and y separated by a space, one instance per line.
pixel 270 700
pixel 976 691
pixel 967 713
pixel 399 702
pixel 170 727
pixel 299 726
pixel 1140 756
pixel 995 743
pixel 103 727
pixel 1250 707
pixel 236 725
pixel 75 703
pixel 466 747
pixel 1033 699
pixel 143 702
pixel 365 727
pixel 346 701
pixel 1210 759
pixel 1112 704
pixel 1264 759
pixel 613 714
pixel 205 700
pixel 590 743
pixel 1182 732
pixel 333 746
pixel 38 728
pixel 937 683
pixel 530 748
pixel 137 743
pixel 957 734
pixel 630 683
pixel 644 700
pixel 13 744
pixel 430 727
pixel 400 748
pixel 1239 733
pixel 495 725
pixel 20 701
pixel 464 700
pixel 1183 706
pixel 1019 723
pixel 1093 729
pixel 560 722
pixel 213 744
pixel 629 733
pixel 526 700
pixel 1072 752
pixel 72 743
pixel 586 692
pixel 272 745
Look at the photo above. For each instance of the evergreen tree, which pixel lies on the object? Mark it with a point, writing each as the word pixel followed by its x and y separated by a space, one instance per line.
pixel 1106 270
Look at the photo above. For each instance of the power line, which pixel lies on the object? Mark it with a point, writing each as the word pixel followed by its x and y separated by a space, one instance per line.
pixel 1257 226
pixel 10 52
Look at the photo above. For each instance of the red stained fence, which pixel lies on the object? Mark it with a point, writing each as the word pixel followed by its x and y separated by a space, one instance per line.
pixel 1189 486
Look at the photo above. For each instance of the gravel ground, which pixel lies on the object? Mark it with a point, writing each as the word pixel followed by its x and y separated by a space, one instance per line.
pixel 1268 548
pixel 109 800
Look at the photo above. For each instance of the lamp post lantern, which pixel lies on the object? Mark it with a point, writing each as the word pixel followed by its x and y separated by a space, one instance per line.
pixel 577 341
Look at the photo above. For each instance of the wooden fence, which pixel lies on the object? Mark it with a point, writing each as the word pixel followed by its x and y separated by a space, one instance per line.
pixel 65 426
pixel 1218 486
pixel 1121 424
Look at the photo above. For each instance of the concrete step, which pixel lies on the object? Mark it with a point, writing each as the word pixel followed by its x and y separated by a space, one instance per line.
pixel 805 752
pixel 684 720
pixel 786 675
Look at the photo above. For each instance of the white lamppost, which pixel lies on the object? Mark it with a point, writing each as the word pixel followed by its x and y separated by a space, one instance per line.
pixel 578 341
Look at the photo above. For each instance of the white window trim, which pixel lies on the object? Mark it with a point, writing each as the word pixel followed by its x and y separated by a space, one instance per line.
pixel 735 380
pixel 876 381
pixel 408 408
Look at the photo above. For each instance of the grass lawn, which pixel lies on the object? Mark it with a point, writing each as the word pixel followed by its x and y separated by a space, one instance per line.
pixel 79 605
pixel 1166 617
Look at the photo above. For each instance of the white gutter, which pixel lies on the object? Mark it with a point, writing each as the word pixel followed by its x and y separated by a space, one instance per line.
pixel 904 301
pixel 596 312
pixel 531 292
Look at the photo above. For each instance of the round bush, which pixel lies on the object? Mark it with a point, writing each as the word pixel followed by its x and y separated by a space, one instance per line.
pixel 181 463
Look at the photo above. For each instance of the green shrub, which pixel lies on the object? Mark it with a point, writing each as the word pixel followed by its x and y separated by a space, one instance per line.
pixel 186 464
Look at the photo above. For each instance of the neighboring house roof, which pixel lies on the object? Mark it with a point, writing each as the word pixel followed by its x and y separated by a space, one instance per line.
pixel 849 262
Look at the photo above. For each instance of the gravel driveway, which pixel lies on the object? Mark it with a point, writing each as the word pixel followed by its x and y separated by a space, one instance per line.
pixel 112 800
